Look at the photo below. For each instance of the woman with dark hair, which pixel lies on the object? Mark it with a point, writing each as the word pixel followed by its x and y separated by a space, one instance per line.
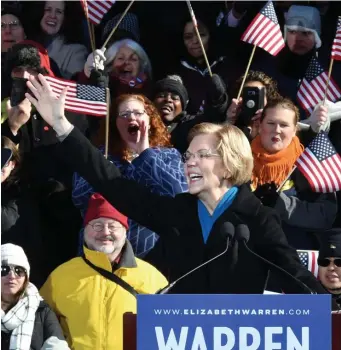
pixel 60 31
pixel 27 322
pixel 193 69
pixel 148 158
pixel 12 28
pixel 20 216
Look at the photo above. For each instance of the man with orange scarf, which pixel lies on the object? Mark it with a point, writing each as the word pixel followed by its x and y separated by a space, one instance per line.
pixel 275 151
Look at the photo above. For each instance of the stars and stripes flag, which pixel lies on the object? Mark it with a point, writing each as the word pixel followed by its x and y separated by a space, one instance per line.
pixel 313 86
pixel 321 165
pixel 80 98
pixel 309 260
pixel 264 31
pixel 97 9
pixel 336 48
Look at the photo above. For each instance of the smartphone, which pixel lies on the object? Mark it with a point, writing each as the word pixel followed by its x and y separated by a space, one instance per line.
pixel 253 100
pixel 19 88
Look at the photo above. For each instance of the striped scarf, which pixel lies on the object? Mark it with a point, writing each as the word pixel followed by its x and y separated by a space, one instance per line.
pixel 20 319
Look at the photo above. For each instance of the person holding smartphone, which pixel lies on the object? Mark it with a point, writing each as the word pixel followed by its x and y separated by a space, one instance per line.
pixel 246 111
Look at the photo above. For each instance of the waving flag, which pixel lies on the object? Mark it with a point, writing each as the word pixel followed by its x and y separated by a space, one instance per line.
pixel 97 9
pixel 313 86
pixel 336 48
pixel 264 31
pixel 321 165
pixel 80 98
pixel 309 260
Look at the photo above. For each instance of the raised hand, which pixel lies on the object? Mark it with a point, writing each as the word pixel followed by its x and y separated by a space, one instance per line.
pixel 143 142
pixel 95 60
pixel 319 118
pixel 234 110
pixel 18 115
pixel 50 107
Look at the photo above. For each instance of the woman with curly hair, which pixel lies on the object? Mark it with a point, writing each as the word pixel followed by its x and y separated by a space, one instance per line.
pixel 253 79
pixel 140 147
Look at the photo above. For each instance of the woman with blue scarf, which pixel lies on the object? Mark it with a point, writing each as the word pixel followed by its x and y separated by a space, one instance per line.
pixel 218 167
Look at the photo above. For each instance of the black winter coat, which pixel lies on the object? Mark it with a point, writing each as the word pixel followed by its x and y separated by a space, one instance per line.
pixel 46 326
pixel 181 242
pixel 37 141
pixel 21 224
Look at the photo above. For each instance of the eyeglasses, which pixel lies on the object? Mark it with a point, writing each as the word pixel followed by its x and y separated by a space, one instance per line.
pixel 326 262
pixel 12 25
pixel 19 271
pixel 201 154
pixel 172 95
pixel 98 227
pixel 136 113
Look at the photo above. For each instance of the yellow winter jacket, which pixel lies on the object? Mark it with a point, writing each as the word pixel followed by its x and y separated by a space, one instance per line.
pixel 89 306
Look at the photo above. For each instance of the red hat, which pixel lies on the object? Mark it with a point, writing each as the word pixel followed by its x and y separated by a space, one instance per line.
pixel 98 207
pixel 43 54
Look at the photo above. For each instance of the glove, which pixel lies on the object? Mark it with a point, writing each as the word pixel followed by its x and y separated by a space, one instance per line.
pixel 94 61
pixel 216 88
pixel 98 78
pixel 319 120
pixel 267 194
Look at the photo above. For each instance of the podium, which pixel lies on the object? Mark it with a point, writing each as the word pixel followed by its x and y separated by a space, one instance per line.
pixel 130 341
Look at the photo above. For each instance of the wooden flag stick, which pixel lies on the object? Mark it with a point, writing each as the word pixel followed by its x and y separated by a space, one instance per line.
pixel 329 75
pixel 107 123
pixel 195 24
pixel 117 24
pixel 246 72
pixel 92 28
pixel 92 42
pixel 286 179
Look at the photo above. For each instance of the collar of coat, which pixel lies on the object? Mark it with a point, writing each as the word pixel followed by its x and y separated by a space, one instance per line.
pixel 127 259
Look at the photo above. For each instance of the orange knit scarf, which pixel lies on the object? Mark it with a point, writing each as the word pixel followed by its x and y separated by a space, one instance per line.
pixel 273 167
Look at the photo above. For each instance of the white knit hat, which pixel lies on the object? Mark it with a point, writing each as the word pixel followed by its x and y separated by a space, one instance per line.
pixel 304 18
pixel 12 254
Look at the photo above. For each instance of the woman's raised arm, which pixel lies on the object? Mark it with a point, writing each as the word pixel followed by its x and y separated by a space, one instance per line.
pixel 133 200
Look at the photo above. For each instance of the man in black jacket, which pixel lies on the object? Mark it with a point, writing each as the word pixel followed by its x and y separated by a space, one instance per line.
pixel 49 180
pixel 329 261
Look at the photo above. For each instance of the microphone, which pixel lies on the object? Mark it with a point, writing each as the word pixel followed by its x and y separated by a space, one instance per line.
pixel 243 234
pixel 227 232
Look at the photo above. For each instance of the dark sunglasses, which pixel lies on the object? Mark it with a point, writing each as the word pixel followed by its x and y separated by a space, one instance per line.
pixel 18 270
pixel 326 262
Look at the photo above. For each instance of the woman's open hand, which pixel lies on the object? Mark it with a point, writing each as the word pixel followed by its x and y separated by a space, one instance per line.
pixel 50 107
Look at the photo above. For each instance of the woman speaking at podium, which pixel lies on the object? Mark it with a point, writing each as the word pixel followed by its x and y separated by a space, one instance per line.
pixel 193 227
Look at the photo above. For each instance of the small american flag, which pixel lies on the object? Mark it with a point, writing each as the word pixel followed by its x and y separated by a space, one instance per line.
pixel 321 165
pixel 86 99
pixel 264 31
pixel 309 260
pixel 336 48
pixel 97 9
pixel 313 86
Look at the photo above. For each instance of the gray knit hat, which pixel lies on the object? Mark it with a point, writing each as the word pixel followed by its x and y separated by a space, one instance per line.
pixel 129 23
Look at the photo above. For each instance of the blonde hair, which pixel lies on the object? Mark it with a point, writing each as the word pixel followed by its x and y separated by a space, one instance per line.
pixel 234 148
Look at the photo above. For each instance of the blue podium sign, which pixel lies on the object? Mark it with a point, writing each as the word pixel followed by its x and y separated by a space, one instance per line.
pixel 233 322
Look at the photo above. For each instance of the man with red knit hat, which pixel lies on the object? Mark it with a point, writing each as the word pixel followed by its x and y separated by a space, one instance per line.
pixel 90 294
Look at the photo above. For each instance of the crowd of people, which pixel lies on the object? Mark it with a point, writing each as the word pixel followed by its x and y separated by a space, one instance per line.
pixel 189 170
